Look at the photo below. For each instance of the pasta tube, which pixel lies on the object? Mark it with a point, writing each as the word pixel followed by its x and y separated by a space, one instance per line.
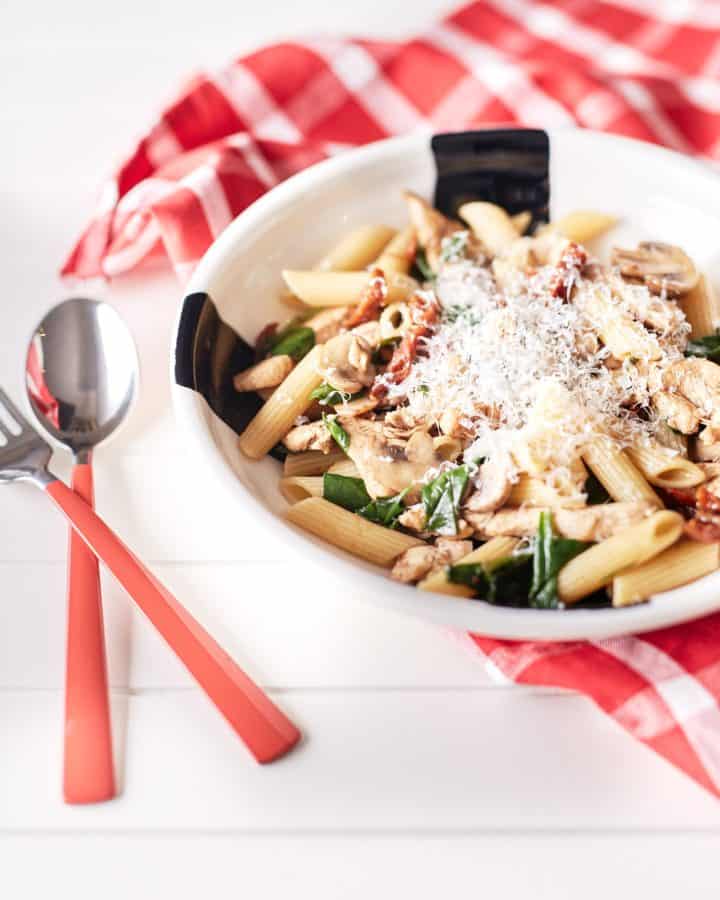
pixel 350 532
pixel 595 568
pixel 682 563
pixel 496 549
pixel 299 487
pixel 583 225
pixel 615 471
pixel 276 417
pixel 311 462
pixel 397 256
pixel 345 467
pixel 701 306
pixel 521 221
pixel 357 249
pixel 664 468
pixel 341 288
pixel 490 224
pixel 529 491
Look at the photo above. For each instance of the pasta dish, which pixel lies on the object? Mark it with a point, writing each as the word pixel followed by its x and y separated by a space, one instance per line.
pixel 501 416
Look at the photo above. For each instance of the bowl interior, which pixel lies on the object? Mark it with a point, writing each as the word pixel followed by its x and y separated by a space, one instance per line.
pixel 655 194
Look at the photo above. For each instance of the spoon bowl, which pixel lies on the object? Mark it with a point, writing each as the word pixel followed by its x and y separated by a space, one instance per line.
pixel 81 373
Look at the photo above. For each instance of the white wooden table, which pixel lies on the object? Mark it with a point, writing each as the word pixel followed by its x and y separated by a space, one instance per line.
pixel 418 776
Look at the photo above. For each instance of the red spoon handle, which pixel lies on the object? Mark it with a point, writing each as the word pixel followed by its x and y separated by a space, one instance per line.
pixel 266 731
pixel 88 775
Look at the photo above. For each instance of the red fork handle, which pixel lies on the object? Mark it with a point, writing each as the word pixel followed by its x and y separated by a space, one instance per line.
pixel 88 775
pixel 265 730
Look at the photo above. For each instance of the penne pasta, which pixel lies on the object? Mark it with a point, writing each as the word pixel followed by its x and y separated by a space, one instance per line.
pixel 664 468
pixel 625 338
pixel 344 467
pixel 701 306
pixel 529 491
pixel 357 249
pixel 595 568
pixel 349 532
pixel 493 551
pixel 397 257
pixel 311 462
pixel 682 563
pixel 521 221
pixel 490 224
pixel 614 469
pixel 583 225
pixel 342 288
pixel 277 415
pixel 394 321
pixel 300 487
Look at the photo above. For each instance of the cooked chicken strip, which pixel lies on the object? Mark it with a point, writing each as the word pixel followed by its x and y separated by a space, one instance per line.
pixel 313 436
pixel 268 373
pixel 593 523
pixel 417 562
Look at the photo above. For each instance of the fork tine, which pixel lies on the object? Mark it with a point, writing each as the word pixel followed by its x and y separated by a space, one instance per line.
pixel 15 414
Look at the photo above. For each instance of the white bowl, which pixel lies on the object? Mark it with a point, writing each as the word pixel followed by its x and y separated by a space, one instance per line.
pixel 657 194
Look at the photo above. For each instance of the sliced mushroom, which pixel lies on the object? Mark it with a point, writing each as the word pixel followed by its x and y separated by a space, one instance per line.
pixel 268 373
pixel 313 436
pixel 493 486
pixel 663 267
pixel 345 362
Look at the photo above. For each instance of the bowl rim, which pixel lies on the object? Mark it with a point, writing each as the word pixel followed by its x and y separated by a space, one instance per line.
pixel 192 412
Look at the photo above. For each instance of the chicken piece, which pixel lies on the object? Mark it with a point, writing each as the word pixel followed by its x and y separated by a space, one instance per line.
pixel 418 562
pixel 664 268
pixel 369 332
pixel 492 486
pixel 413 518
pixel 327 324
pixel 313 436
pixel 387 464
pixel 345 362
pixel 698 381
pixel 657 313
pixel 455 424
pixel 678 412
pixel 593 523
pixel 432 228
pixel 268 373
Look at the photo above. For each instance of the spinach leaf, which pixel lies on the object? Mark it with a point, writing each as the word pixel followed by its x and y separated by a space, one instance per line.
pixel 441 499
pixel 550 555
pixel 337 432
pixel 454 246
pixel 709 347
pixel 595 491
pixel 294 341
pixel 327 395
pixel 350 493
pixel 423 266
pixel 347 492
pixel 507 581
pixel 385 510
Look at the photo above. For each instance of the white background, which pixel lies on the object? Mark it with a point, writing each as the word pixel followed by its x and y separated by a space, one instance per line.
pixel 419 778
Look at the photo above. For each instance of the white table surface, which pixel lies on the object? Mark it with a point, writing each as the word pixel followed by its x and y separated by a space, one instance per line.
pixel 419 776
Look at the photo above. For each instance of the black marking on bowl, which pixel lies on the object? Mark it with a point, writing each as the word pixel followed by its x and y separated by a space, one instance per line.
pixel 208 353
pixel 509 166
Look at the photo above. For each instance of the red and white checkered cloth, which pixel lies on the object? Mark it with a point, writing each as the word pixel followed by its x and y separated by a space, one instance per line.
pixel 646 68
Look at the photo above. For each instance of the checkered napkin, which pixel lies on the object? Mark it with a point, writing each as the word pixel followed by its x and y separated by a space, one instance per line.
pixel 648 69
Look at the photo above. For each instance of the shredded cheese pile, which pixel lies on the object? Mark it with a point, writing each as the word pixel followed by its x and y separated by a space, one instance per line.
pixel 525 369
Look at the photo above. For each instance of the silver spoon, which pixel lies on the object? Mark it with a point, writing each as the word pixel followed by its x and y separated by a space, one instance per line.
pixel 81 377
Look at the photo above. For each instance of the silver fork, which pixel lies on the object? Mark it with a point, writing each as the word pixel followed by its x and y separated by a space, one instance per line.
pixel 265 730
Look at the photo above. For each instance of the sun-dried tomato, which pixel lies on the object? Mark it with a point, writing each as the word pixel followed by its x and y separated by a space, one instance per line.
pixel 706 531
pixel 706 500
pixel 424 314
pixel 371 299
pixel 567 268
pixel 683 496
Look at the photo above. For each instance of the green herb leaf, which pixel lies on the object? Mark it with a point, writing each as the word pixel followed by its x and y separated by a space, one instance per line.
pixel 351 494
pixel 550 555
pixel 423 265
pixel 454 246
pixel 327 395
pixel 347 492
pixel 441 499
pixel 338 433
pixel 708 347
pixel 294 342
pixel 506 582
pixel 595 491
